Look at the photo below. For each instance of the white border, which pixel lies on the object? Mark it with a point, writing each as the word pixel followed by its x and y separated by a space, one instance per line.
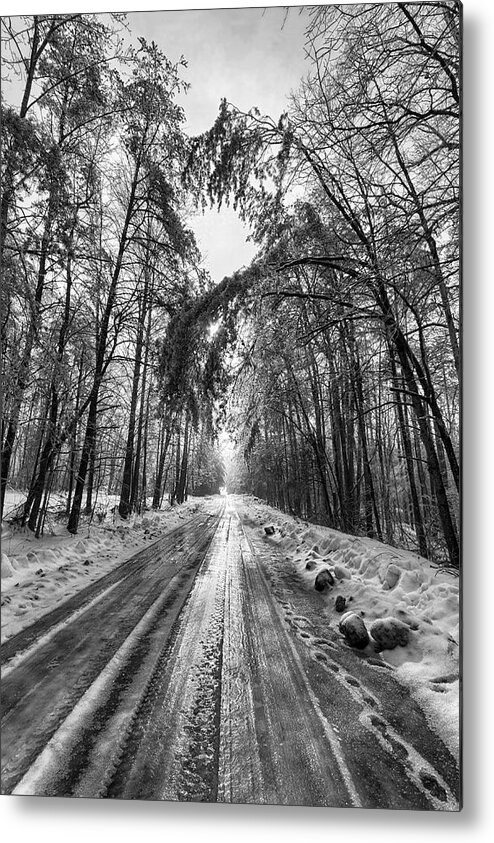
pixel 26 818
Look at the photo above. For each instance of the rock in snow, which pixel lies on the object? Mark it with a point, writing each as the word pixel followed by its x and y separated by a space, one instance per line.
pixel 340 603
pixel 269 530
pixel 324 580
pixel 354 630
pixel 389 632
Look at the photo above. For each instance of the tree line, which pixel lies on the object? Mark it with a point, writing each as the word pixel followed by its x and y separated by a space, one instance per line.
pixel 96 257
pixel 348 403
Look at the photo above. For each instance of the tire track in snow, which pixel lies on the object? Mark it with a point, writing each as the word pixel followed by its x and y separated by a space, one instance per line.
pixel 420 772
pixel 301 759
pixel 39 695
pixel 240 776
pixel 225 692
pixel 431 788
pixel 15 649
pixel 172 752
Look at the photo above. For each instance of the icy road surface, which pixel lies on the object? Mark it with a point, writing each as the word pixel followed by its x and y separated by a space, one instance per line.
pixel 200 670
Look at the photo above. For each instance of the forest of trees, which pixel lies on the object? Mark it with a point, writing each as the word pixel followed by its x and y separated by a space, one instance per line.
pixel 333 360
pixel 96 258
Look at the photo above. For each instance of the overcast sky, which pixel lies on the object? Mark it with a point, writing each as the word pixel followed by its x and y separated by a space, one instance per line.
pixel 253 57
pixel 250 56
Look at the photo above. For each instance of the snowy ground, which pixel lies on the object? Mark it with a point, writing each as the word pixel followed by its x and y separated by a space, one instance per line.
pixel 379 581
pixel 37 574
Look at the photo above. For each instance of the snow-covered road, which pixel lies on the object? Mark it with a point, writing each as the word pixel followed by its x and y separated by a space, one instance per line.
pixel 200 670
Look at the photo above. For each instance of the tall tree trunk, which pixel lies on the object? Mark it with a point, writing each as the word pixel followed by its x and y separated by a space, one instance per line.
pixel 73 439
pixel 158 485
pixel 134 494
pixel 35 495
pixel 407 450
pixel 101 363
pixel 124 506
pixel 173 495
pixel 144 481
pixel 371 510
pixel 182 479
pixel 91 477
pixel 33 503
pixel 88 445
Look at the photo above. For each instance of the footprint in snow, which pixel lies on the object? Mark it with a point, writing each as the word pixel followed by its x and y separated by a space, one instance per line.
pixel 379 663
pixel 323 642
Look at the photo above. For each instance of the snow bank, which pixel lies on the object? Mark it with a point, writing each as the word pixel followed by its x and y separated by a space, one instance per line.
pixel 36 574
pixel 379 582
